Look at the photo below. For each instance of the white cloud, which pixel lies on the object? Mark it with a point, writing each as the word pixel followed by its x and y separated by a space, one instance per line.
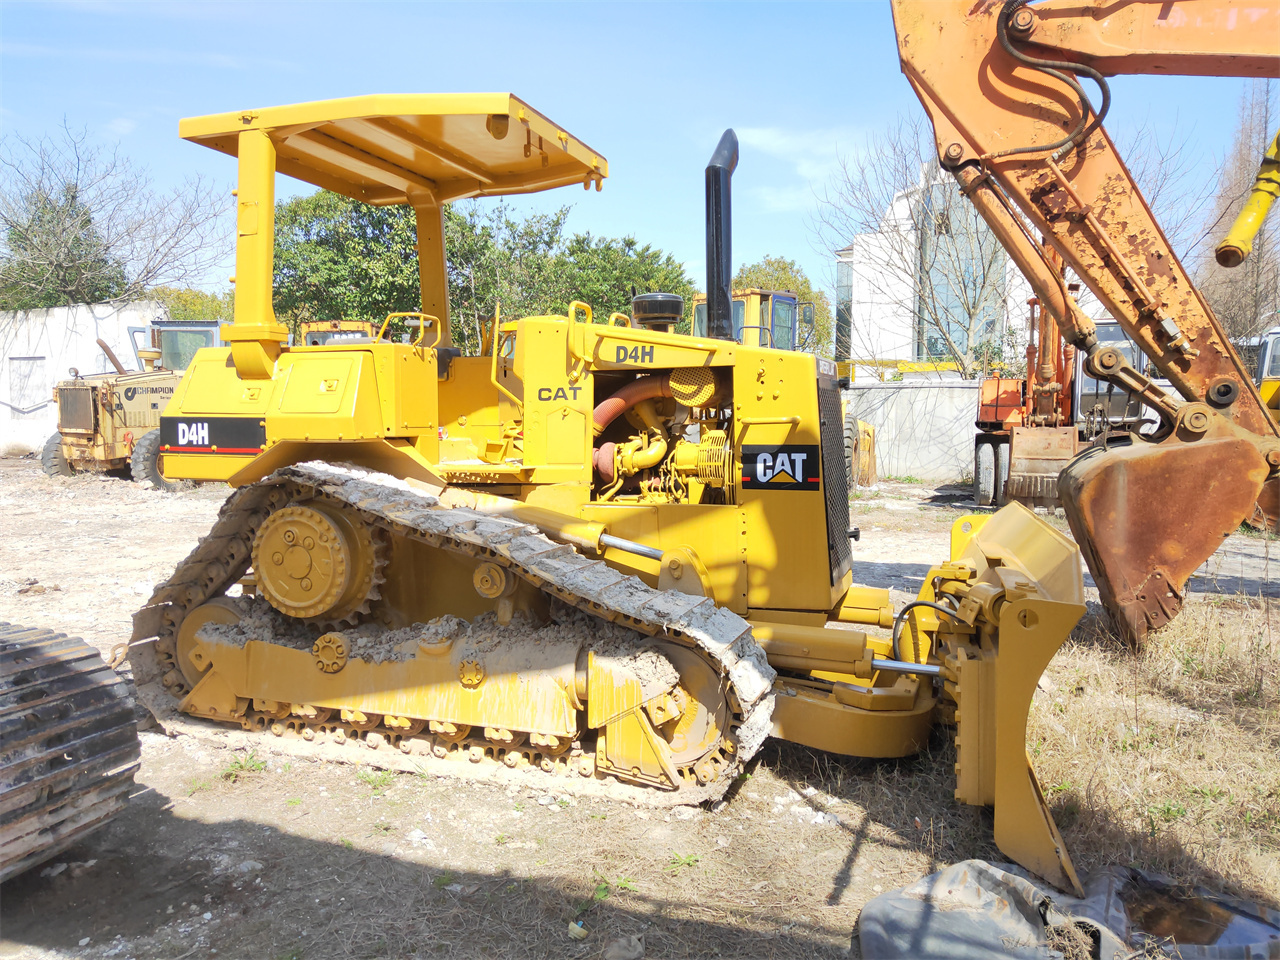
pixel 122 126
pixel 813 154
pixel 788 199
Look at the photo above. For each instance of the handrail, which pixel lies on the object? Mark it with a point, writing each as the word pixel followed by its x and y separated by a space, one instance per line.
pixel 493 364
pixel 577 305
pixel 570 347
pixel 626 321
pixel 741 423
pixel 422 326
pixel 750 421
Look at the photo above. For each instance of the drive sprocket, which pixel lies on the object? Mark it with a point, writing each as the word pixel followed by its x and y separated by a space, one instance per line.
pixel 316 562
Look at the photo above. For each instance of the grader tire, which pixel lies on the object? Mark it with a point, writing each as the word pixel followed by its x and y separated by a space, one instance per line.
pixel 851 452
pixel 52 460
pixel 984 473
pixel 145 463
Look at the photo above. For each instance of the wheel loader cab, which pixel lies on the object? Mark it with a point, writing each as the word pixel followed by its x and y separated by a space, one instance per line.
pixel 762 318
pixel 1267 374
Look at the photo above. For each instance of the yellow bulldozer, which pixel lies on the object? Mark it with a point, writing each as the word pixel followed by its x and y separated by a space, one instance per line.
pixel 594 550
pixel 315 333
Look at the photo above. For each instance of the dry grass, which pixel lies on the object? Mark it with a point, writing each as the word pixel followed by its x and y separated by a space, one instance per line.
pixel 1169 759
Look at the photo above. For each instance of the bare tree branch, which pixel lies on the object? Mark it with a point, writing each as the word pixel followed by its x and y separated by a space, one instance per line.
pixel 80 223
pixel 921 255
pixel 922 258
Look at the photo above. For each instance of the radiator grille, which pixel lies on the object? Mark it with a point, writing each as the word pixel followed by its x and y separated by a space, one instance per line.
pixel 75 409
pixel 835 478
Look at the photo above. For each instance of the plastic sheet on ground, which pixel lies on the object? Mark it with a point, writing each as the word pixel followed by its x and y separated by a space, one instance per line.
pixel 975 909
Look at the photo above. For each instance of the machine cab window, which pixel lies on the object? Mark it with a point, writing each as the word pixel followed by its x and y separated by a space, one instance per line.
pixel 764 318
pixel 177 341
pixel 1268 357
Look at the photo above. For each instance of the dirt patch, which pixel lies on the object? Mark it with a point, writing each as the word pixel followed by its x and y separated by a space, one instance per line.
pixel 234 847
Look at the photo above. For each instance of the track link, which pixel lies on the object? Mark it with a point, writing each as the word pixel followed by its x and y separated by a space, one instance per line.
pixel 718 636
pixel 68 745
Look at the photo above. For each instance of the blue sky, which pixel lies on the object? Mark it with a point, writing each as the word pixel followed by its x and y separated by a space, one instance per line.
pixel 651 86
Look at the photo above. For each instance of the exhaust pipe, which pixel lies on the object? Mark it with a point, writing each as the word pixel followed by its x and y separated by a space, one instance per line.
pixel 719 238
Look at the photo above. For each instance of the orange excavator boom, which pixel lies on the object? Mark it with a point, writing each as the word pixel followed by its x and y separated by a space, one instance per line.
pixel 1004 84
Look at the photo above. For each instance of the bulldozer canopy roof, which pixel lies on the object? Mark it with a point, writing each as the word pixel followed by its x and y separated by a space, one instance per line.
pixel 382 149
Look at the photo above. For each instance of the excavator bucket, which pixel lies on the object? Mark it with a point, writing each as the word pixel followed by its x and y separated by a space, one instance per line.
pixel 1019 586
pixel 1149 514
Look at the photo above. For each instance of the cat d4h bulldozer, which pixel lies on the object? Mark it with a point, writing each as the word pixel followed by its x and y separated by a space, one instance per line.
pixel 599 551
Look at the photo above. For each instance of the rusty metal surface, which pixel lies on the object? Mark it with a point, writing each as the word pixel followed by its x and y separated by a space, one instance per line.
pixel 1087 206
pixel 69 745
pixel 1147 515
pixel 1036 457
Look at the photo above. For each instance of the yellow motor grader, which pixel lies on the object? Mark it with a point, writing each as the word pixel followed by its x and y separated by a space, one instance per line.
pixel 605 550
pixel 109 421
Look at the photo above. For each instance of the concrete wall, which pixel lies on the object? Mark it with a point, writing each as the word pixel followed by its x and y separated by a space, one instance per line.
pixel 37 348
pixel 924 428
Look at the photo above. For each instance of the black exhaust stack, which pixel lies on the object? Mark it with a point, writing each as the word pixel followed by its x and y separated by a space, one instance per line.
pixel 719 238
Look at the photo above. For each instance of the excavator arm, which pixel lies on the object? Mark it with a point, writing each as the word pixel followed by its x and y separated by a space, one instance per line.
pixel 1004 84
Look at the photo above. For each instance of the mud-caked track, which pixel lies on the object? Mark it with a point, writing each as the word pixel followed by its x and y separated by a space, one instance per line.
pixel 68 745
pixel 616 617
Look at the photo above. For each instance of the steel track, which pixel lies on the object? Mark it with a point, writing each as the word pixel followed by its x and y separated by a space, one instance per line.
pixel 717 635
pixel 68 744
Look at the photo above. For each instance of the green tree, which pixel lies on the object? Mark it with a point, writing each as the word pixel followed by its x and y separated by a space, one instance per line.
pixel 603 271
pixel 338 258
pixel 498 261
pixel 55 255
pixel 187 304
pixel 778 273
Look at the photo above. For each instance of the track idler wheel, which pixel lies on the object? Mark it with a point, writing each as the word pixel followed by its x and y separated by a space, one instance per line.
pixel 315 562
pixel 191 661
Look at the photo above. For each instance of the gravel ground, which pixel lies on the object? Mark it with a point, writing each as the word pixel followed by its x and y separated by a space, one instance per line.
pixel 227 851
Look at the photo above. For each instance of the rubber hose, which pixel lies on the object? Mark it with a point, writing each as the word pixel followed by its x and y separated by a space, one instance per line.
pixel 602 460
pixel 648 387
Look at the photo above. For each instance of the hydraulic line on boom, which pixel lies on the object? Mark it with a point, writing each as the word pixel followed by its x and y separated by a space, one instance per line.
pixel 1000 83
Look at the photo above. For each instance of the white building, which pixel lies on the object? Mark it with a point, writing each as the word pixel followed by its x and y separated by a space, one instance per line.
pixel 924 420
pixel 38 348
pixel 880 313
